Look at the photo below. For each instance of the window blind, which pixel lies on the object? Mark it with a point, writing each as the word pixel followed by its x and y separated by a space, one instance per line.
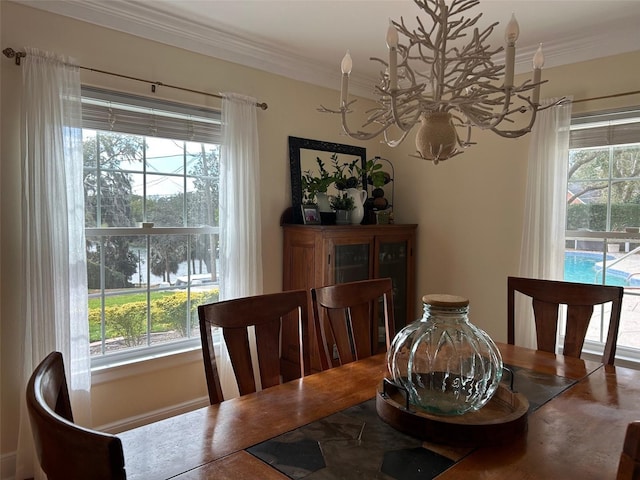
pixel 124 113
pixel 602 129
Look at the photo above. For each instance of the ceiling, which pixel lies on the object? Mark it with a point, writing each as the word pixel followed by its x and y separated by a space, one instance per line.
pixel 306 40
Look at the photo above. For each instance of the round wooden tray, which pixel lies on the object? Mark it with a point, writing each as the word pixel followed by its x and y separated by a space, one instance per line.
pixel 499 421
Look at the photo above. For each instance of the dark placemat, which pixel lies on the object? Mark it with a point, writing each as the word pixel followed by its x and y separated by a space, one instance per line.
pixel 539 388
pixel 352 444
pixel 355 443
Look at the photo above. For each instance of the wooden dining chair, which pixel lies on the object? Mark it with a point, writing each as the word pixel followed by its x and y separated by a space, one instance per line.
pixel 269 314
pixel 346 316
pixel 580 298
pixel 66 450
pixel 629 466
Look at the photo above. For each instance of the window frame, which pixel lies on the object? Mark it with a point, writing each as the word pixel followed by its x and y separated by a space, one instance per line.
pixel 604 130
pixel 102 103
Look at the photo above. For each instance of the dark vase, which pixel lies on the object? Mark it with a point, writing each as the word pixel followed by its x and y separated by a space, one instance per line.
pixel 328 218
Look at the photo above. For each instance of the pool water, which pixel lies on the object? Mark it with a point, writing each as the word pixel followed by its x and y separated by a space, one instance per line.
pixel 585 267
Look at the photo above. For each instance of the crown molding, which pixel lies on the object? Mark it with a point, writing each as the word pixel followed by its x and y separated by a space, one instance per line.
pixel 144 21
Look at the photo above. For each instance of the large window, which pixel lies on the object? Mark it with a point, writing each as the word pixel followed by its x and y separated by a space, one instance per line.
pixel 603 216
pixel 151 174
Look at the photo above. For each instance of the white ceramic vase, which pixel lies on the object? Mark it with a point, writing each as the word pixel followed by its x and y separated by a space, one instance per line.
pixel 323 202
pixel 359 196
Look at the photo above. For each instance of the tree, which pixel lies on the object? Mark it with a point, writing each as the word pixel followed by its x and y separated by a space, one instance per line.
pixel 204 206
pixel 589 171
pixel 108 199
pixel 167 251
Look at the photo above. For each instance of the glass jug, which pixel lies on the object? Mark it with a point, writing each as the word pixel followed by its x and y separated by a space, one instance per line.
pixel 447 365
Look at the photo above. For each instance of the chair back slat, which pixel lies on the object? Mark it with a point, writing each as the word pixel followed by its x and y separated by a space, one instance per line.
pixel 364 342
pixel 579 298
pixel 237 342
pixel 546 318
pixel 629 466
pixel 346 315
pixel 338 323
pixel 66 450
pixel 268 347
pixel 579 317
pixel 268 314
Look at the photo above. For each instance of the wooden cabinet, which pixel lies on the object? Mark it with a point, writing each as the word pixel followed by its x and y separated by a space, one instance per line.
pixel 317 255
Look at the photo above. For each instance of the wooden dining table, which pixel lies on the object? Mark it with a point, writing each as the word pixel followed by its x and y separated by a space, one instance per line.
pixel 578 433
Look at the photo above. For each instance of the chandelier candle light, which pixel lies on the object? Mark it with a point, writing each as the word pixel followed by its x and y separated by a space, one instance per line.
pixel 444 85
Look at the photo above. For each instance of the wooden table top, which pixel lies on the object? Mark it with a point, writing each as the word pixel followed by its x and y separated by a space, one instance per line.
pixel 578 434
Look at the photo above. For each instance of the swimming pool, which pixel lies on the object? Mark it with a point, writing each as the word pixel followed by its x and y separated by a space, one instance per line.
pixel 586 267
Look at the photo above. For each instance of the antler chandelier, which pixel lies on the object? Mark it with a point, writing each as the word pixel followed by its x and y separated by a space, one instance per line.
pixel 446 86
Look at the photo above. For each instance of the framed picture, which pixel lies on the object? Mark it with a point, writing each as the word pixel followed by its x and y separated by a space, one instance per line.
pixel 310 215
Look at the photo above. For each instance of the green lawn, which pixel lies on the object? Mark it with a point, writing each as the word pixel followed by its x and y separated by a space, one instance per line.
pixel 115 300
pixel 126 313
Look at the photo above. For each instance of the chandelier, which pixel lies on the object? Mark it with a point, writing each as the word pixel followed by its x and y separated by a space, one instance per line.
pixel 445 84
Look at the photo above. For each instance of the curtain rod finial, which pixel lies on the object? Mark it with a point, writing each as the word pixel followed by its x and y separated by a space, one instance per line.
pixel 11 53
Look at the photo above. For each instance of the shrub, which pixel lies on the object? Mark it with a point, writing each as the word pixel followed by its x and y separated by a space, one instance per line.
pixel 129 320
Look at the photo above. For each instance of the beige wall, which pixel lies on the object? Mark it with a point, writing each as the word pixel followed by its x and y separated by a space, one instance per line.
pixel 469 209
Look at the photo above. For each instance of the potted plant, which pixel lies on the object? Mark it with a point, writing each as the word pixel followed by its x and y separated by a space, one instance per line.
pixel 314 188
pixel 342 204
pixel 377 178
pixel 346 174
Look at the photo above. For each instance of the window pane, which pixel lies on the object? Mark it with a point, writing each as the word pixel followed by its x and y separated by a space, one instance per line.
pixel 115 199
pixel 144 289
pixel 589 164
pixel 165 210
pixel 626 161
pixel 165 156
pixel 148 288
pixel 120 152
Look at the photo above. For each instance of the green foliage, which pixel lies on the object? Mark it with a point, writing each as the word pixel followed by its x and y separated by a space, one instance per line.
pixel 130 322
pixel 112 278
pixel 374 173
pixel 594 217
pixel 342 201
pixel 312 184
pixel 125 315
pixel 590 170
pixel 347 174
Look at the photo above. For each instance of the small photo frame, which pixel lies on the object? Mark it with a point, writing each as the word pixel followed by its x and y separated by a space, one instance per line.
pixel 310 214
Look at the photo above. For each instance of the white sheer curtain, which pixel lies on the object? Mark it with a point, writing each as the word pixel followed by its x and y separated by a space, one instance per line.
pixel 54 301
pixel 542 251
pixel 240 219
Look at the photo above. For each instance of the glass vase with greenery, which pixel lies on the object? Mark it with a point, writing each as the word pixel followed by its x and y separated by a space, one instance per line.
pixel 312 184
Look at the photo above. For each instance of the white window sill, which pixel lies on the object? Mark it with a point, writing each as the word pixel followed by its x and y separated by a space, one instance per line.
pixel 121 366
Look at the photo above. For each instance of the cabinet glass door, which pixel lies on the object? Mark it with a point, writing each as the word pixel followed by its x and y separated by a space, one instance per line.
pixel 393 263
pixel 351 262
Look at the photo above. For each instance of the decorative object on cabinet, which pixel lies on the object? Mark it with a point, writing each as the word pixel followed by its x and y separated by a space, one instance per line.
pixel 343 204
pixel 380 188
pixel 444 87
pixel 303 157
pixel 359 197
pixel 310 214
pixel 319 255
pixel 315 184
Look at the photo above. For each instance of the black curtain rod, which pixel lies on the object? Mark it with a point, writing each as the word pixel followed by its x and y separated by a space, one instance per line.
pixel 614 95
pixel 11 53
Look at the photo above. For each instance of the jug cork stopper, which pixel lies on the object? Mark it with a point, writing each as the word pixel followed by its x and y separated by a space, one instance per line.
pixel 445 300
